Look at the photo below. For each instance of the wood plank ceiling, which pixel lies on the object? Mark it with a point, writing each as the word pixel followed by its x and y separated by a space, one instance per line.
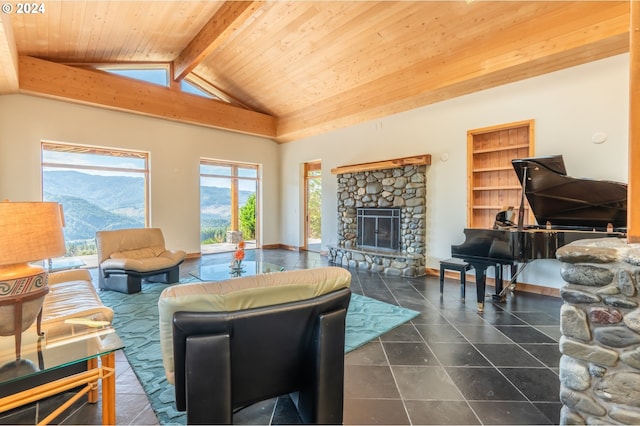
pixel 290 70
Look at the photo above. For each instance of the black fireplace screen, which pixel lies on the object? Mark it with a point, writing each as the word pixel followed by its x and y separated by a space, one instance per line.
pixel 379 228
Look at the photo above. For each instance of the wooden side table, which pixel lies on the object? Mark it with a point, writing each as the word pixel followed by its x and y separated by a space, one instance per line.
pixel 61 347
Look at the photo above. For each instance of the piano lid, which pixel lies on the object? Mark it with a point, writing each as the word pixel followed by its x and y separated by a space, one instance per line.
pixel 568 201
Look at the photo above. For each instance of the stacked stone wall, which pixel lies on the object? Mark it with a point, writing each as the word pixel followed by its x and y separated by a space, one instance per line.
pixel 600 324
pixel 402 187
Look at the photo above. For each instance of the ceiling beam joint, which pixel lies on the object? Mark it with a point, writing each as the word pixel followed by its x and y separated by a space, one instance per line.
pixel 227 20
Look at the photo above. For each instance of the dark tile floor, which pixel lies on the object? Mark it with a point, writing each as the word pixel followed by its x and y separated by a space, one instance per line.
pixel 449 365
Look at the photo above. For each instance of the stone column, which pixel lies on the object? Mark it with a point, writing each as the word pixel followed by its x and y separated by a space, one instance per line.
pixel 600 325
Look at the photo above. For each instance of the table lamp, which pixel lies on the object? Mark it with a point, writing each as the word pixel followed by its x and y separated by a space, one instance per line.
pixel 29 232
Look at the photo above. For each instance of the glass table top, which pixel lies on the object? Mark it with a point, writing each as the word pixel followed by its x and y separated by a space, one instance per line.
pixel 223 271
pixel 64 344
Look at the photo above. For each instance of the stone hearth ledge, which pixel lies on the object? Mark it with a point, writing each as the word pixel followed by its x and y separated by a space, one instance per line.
pixel 382 261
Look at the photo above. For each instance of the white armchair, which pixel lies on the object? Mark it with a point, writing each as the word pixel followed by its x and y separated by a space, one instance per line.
pixel 126 256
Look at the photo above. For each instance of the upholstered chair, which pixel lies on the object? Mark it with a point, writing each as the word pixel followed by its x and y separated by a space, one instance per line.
pixel 232 343
pixel 126 256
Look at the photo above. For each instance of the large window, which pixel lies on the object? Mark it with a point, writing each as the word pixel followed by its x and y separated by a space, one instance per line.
pixel 99 189
pixel 228 202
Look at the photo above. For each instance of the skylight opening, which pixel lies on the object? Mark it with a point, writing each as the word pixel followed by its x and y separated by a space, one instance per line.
pixel 188 87
pixel 157 76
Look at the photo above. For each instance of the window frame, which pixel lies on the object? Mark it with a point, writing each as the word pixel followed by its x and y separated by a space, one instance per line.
pixel 87 149
pixel 234 180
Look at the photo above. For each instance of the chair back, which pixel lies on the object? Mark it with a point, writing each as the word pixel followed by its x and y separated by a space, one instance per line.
pixel 225 360
pixel 123 240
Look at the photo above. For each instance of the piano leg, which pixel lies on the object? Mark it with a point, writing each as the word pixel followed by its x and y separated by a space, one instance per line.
pixel 498 279
pixel 514 271
pixel 481 279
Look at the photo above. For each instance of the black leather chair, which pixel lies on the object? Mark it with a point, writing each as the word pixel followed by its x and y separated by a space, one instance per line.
pixel 227 360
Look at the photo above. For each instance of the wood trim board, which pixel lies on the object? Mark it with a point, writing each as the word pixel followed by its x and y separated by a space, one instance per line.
pixel 385 164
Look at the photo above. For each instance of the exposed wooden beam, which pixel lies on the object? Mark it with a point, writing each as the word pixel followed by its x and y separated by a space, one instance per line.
pixel 633 190
pixel 8 56
pixel 100 88
pixel 495 62
pixel 210 88
pixel 357 110
pixel 386 164
pixel 223 24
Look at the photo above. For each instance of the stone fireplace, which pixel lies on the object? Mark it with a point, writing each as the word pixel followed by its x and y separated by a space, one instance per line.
pixel 381 217
pixel 600 325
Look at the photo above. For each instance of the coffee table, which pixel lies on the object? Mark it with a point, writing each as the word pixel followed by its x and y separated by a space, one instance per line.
pixel 89 347
pixel 222 271
pixel 62 263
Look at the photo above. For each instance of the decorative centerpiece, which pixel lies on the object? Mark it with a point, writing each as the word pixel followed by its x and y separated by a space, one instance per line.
pixel 238 257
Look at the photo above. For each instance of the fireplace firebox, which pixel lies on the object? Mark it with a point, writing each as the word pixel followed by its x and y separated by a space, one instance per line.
pixel 378 228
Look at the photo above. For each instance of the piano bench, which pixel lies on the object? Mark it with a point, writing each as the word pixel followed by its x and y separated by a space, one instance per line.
pixel 455 265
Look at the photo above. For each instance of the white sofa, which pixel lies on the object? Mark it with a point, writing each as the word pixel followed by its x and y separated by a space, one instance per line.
pixel 72 295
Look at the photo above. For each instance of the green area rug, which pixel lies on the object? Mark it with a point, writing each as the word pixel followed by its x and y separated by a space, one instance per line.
pixel 136 321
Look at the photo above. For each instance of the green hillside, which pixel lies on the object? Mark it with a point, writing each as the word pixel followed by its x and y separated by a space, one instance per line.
pixel 98 202
pixel 83 219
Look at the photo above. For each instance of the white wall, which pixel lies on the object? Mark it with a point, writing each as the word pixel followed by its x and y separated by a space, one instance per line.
pixel 568 107
pixel 175 151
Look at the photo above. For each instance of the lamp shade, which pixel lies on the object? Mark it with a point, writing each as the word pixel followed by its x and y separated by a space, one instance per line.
pixel 30 231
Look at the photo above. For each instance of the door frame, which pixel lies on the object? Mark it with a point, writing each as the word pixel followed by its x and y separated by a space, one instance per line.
pixel 310 166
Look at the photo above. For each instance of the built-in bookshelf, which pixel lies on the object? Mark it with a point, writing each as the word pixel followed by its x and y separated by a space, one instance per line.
pixel 492 183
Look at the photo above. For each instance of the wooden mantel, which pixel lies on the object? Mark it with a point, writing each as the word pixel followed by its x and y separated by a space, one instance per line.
pixel 386 164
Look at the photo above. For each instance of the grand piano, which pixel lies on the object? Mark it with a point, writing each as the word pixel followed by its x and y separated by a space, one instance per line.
pixel 566 209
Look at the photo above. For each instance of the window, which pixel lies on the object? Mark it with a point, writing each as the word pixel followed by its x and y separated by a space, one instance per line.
pixel 99 189
pixel 159 74
pixel 187 87
pixel 228 202
pixel 150 75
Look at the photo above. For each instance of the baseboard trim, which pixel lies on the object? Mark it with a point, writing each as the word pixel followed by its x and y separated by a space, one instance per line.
pixel 279 246
pixel 263 247
pixel 520 287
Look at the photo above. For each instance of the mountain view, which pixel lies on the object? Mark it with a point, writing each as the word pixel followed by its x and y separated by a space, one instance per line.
pixel 96 202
